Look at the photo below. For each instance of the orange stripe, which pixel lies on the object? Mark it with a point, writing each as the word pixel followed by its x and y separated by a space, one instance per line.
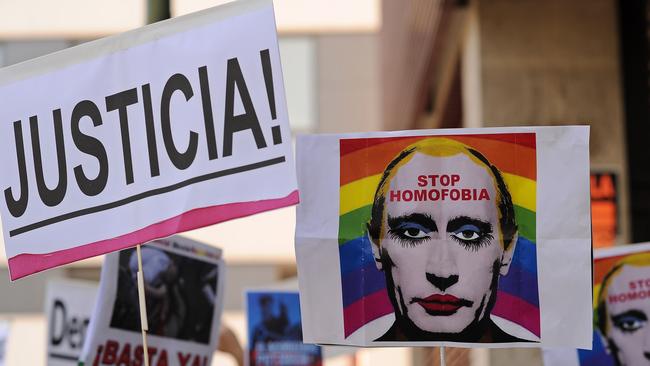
pixel 512 158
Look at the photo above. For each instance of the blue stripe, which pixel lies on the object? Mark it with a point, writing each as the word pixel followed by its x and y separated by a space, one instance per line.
pixel 355 254
pixel 598 356
pixel 525 256
pixel 360 283
pixel 520 283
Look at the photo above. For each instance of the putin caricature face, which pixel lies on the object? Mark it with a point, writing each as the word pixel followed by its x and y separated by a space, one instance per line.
pixel 623 311
pixel 443 230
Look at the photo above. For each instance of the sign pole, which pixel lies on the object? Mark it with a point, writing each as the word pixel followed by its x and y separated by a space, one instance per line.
pixel 143 308
pixel 442 355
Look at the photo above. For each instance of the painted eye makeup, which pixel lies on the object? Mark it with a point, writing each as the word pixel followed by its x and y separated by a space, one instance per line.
pixel 630 321
pixel 469 232
pixel 412 229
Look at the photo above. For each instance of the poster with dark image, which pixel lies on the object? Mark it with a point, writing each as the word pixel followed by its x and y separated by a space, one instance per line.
pixel 180 294
pixel 275 331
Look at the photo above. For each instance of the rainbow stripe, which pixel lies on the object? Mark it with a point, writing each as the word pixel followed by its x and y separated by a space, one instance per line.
pixel 363 286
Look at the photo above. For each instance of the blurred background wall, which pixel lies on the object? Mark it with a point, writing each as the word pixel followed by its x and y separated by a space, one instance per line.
pixel 368 65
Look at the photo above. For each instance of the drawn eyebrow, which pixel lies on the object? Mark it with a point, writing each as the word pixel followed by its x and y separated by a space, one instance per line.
pixel 421 219
pixel 458 222
pixel 629 313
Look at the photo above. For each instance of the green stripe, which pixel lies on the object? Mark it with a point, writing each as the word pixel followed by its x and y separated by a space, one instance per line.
pixel 353 224
pixel 526 222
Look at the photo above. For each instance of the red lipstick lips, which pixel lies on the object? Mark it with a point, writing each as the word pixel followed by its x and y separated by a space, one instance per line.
pixel 441 304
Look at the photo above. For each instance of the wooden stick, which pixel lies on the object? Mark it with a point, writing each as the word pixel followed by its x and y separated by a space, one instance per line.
pixel 442 355
pixel 143 308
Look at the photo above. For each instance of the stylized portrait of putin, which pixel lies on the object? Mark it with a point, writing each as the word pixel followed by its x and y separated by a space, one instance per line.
pixel 443 231
pixel 623 309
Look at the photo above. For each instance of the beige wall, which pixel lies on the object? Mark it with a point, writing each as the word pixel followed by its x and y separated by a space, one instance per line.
pixel 553 62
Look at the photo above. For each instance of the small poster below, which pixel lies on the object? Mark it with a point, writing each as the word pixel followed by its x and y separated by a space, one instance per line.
pixel 183 282
pixel 275 331
pixel 68 307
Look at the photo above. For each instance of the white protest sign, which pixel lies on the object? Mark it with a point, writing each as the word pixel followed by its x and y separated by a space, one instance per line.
pixel 4 334
pixel 183 282
pixel 171 127
pixel 68 307
pixel 466 237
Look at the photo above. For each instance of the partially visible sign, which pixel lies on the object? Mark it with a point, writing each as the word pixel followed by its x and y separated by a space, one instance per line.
pixel 169 128
pixel 604 209
pixel 68 306
pixel 275 331
pixel 4 334
pixel 183 282
pixel 621 309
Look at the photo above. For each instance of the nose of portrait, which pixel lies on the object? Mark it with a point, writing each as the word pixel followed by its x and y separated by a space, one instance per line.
pixel 443 283
pixel 441 267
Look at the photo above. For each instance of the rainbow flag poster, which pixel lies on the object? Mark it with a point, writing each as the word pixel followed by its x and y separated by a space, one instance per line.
pixel 364 287
pixel 621 309
pixel 463 237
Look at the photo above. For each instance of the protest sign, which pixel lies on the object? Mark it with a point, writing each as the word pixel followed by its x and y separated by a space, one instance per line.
pixel 68 307
pixel 457 236
pixel 621 309
pixel 183 282
pixel 275 332
pixel 171 127
pixel 4 334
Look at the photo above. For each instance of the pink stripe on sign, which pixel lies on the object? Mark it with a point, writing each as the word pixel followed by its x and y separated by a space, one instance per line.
pixel 26 264
pixel 518 311
pixel 365 310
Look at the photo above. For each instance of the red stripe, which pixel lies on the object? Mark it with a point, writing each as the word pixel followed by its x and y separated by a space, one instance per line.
pixel 365 310
pixel 518 311
pixel 347 146
pixel 25 264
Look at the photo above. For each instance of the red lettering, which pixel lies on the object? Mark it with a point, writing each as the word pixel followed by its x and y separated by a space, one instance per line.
pixel 183 359
pixel 632 284
pixel 433 179
pixel 98 355
pixel 455 178
pixel 422 180
pixel 445 193
pixel 138 356
pixel 151 352
pixel 395 196
pixel 125 356
pixel 162 359
pixel 420 195
pixel 445 180
pixel 612 299
pixel 467 194
pixel 483 195
pixel 110 352
pixel 197 361
pixel 434 195
pixel 407 195
pixel 454 194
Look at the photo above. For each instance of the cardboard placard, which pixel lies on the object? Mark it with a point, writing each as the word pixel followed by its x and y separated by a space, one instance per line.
pixel 466 237
pixel 621 309
pixel 275 331
pixel 184 295
pixel 68 307
pixel 167 128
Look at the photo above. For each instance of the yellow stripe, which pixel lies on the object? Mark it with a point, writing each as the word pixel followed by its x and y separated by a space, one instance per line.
pixel 596 289
pixel 361 192
pixel 522 190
